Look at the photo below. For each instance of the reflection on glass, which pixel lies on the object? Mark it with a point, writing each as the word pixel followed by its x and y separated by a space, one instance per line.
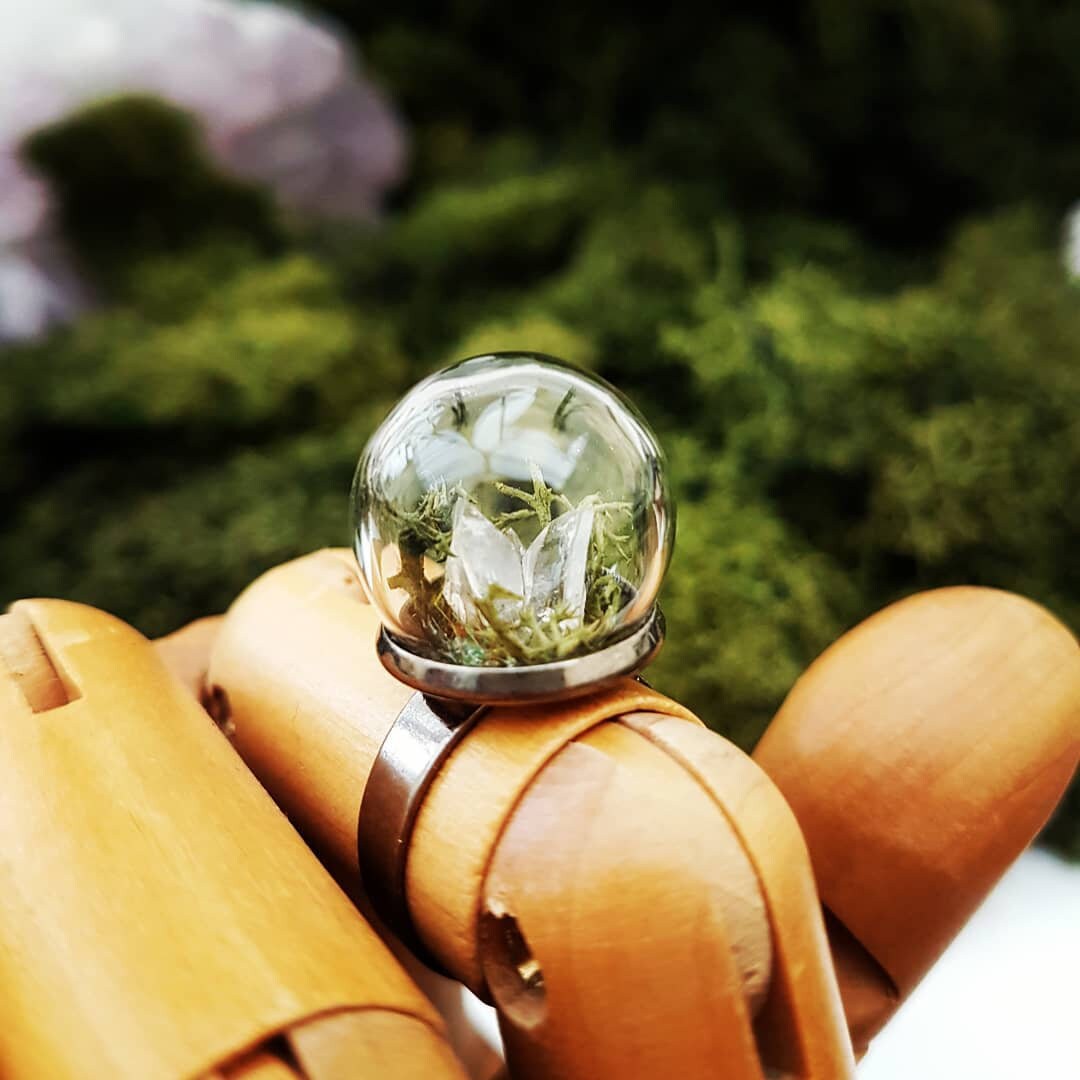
pixel 512 510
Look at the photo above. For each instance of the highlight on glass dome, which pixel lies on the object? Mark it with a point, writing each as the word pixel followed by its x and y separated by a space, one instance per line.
pixel 512 511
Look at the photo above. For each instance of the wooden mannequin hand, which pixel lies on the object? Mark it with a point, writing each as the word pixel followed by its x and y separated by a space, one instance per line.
pixel 920 755
pixel 187 653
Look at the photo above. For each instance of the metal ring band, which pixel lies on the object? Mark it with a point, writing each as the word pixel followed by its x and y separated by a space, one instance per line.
pixel 529 684
pixel 429 727
pixel 418 742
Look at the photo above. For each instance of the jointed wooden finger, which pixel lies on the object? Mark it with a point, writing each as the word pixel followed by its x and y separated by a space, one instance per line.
pixel 161 918
pixel 921 754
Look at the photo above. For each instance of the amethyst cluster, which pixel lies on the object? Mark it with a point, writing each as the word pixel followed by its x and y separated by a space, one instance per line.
pixel 281 101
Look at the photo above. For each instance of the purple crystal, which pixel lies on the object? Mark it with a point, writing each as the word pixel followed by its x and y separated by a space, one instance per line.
pixel 281 101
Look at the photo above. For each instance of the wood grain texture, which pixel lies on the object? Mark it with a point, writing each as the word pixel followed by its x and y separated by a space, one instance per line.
pixel 23 657
pixel 372 1043
pixel 308 700
pixel 650 940
pixel 470 802
pixel 159 914
pixel 187 652
pixel 801 1029
pixel 636 892
pixel 921 753
pixel 259 1066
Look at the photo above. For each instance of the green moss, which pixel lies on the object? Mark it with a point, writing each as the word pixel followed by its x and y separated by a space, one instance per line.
pixel 503 634
pixel 133 179
pixel 526 333
pixel 828 280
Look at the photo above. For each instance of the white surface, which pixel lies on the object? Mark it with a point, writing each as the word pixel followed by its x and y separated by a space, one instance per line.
pixel 1003 1003
pixel 1072 241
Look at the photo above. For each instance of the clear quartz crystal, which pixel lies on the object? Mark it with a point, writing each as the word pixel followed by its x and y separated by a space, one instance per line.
pixel 511 510
pixel 555 565
pixel 484 561
pixel 489 562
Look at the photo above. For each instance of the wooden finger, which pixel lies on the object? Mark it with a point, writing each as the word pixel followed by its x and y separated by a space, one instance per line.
pixel 159 912
pixel 260 1066
pixel 801 1029
pixel 370 1044
pixel 618 942
pixel 921 753
pixel 186 652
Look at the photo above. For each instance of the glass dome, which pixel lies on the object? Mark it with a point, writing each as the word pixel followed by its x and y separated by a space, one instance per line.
pixel 512 510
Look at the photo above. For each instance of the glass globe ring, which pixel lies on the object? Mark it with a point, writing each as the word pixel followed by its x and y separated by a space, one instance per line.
pixel 535 683
pixel 513 526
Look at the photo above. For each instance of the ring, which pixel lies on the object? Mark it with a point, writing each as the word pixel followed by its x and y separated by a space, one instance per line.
pixel 429 727
pixel 530 684
pixel 418 742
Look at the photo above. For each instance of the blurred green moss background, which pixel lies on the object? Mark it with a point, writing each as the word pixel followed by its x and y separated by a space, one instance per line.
pixel 821 251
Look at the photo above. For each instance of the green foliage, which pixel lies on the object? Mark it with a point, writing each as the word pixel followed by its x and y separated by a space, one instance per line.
pixel 545 334
pixel 268 342
pixel 748 601
pixel 133 181
pixel 157 539
pixel 932 429
pixel 820 252
pixel 899 116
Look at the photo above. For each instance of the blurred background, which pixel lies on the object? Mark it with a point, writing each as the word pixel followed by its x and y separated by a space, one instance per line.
pixel 828 249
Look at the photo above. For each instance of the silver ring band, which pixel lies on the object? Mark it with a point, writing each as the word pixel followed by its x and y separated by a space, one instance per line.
pixel 418 742
pixel 429 727
pixel 526 684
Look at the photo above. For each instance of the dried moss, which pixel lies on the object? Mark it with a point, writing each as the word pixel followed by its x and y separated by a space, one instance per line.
pixel 498 638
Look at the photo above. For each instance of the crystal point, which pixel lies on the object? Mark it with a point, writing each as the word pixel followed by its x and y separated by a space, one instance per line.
pixel 556 563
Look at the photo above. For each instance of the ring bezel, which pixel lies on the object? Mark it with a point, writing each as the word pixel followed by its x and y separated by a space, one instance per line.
pixel 526 684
